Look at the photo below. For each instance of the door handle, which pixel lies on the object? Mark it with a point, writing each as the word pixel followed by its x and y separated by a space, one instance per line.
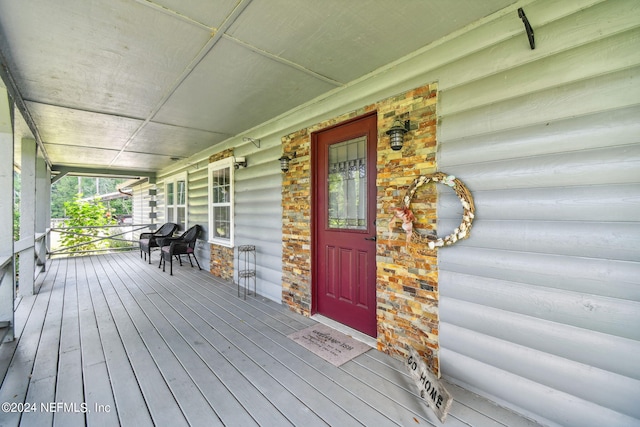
pixel 370 238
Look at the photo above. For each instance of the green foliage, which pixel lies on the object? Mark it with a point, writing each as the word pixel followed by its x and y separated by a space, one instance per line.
pixel 16 225
pixel 68 187
pixel 85 214
pixel 62 191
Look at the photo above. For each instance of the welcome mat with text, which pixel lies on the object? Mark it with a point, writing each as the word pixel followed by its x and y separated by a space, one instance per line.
pixel 333 346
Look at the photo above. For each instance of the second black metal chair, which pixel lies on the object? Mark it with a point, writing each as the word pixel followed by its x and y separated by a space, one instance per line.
pixel 177 246
pixel 149 241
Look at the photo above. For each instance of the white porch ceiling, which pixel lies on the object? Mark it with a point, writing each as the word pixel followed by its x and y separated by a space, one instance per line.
pixel 131 84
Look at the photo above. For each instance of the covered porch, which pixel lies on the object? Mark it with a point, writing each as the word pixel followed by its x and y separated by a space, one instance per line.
pixel 111 340
pixel 211 108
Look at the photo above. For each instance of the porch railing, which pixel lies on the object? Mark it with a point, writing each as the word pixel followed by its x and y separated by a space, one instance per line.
pixel 121 237
pixel 6 297
pixel 96 239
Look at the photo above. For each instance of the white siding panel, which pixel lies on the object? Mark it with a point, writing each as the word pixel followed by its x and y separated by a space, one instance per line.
pixel 610 165
pixel 611 91
pixel 253 195
pixel 258 218
pixel 610 203
pixel 502 44
pixel 198 212
pixel 612 391
pixel 259 184
pixel 266 277
pixel 613 240
pixel 140 205
pixel 545 404
pixel 602 129
pixel 578 274
pixel 159 210
pixel 263 220
pixel 591 348
pixel 615 53
pixel 540 307
pixel 612 316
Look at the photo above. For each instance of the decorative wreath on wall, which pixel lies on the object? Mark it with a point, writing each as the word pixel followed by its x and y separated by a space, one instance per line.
pixel 433 241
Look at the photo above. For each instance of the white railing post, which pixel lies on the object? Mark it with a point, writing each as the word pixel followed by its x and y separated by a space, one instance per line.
pixel 43 210
pixel 27 242
pixel 7 277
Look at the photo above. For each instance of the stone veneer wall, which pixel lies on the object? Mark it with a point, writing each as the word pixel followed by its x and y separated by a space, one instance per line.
pixel 407 276
pixel 221 264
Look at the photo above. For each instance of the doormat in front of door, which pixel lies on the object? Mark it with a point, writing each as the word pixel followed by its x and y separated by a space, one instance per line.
pixel 333 346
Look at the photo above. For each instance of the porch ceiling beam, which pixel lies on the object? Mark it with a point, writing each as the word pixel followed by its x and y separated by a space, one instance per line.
pixel 14 92
pixel 61 171
pixel 58 177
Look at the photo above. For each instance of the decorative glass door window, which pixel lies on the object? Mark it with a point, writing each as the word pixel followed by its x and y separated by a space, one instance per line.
pixel 175 190
pixel 221 202
pixel 348 184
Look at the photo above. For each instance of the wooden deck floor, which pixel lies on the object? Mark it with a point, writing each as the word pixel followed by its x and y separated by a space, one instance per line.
pixel 110 340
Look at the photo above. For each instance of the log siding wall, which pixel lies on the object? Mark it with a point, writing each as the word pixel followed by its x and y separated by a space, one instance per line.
pixel 540 307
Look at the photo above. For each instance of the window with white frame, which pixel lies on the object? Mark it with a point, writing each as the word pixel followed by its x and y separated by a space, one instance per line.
pixel 175 198
pixel 221 202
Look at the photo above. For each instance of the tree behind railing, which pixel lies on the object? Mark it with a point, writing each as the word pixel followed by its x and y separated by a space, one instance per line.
pixel 90 216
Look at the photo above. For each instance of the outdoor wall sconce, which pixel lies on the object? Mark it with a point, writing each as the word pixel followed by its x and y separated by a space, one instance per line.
pixel 396 133
pixel 240 162
pixel 284 162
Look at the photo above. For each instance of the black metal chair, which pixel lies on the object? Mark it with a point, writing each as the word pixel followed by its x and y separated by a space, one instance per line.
pixel 149 241
pixel 171 247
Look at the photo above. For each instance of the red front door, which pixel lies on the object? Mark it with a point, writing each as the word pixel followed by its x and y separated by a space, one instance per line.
pixel 344 208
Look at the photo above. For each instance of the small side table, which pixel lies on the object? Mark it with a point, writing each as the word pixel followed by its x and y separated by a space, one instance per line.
pixel 246 268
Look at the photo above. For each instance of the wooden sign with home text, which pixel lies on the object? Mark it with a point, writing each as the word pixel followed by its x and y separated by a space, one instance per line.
pixel 431 391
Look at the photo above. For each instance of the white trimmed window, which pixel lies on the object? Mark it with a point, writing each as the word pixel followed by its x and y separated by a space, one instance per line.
pixel 221 202
pixel 175 198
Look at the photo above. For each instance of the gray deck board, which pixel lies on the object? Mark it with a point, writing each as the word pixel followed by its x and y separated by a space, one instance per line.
pixel 188 379
pixel 229 344
pixel 253 405
pixel 193 405
pixel 130 404
pixel 348 393
pixel 95 374
pixel 22 357
pixel 69 387
pixel 236 398
pixel 319 393
pixel 154 349
pixel 365 403
pixel 159 397
pixel 42 382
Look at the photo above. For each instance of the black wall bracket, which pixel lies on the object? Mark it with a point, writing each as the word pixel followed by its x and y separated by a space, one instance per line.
pixel 527 28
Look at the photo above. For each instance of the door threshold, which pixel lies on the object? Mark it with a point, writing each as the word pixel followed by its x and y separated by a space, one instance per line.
pixel 355 334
